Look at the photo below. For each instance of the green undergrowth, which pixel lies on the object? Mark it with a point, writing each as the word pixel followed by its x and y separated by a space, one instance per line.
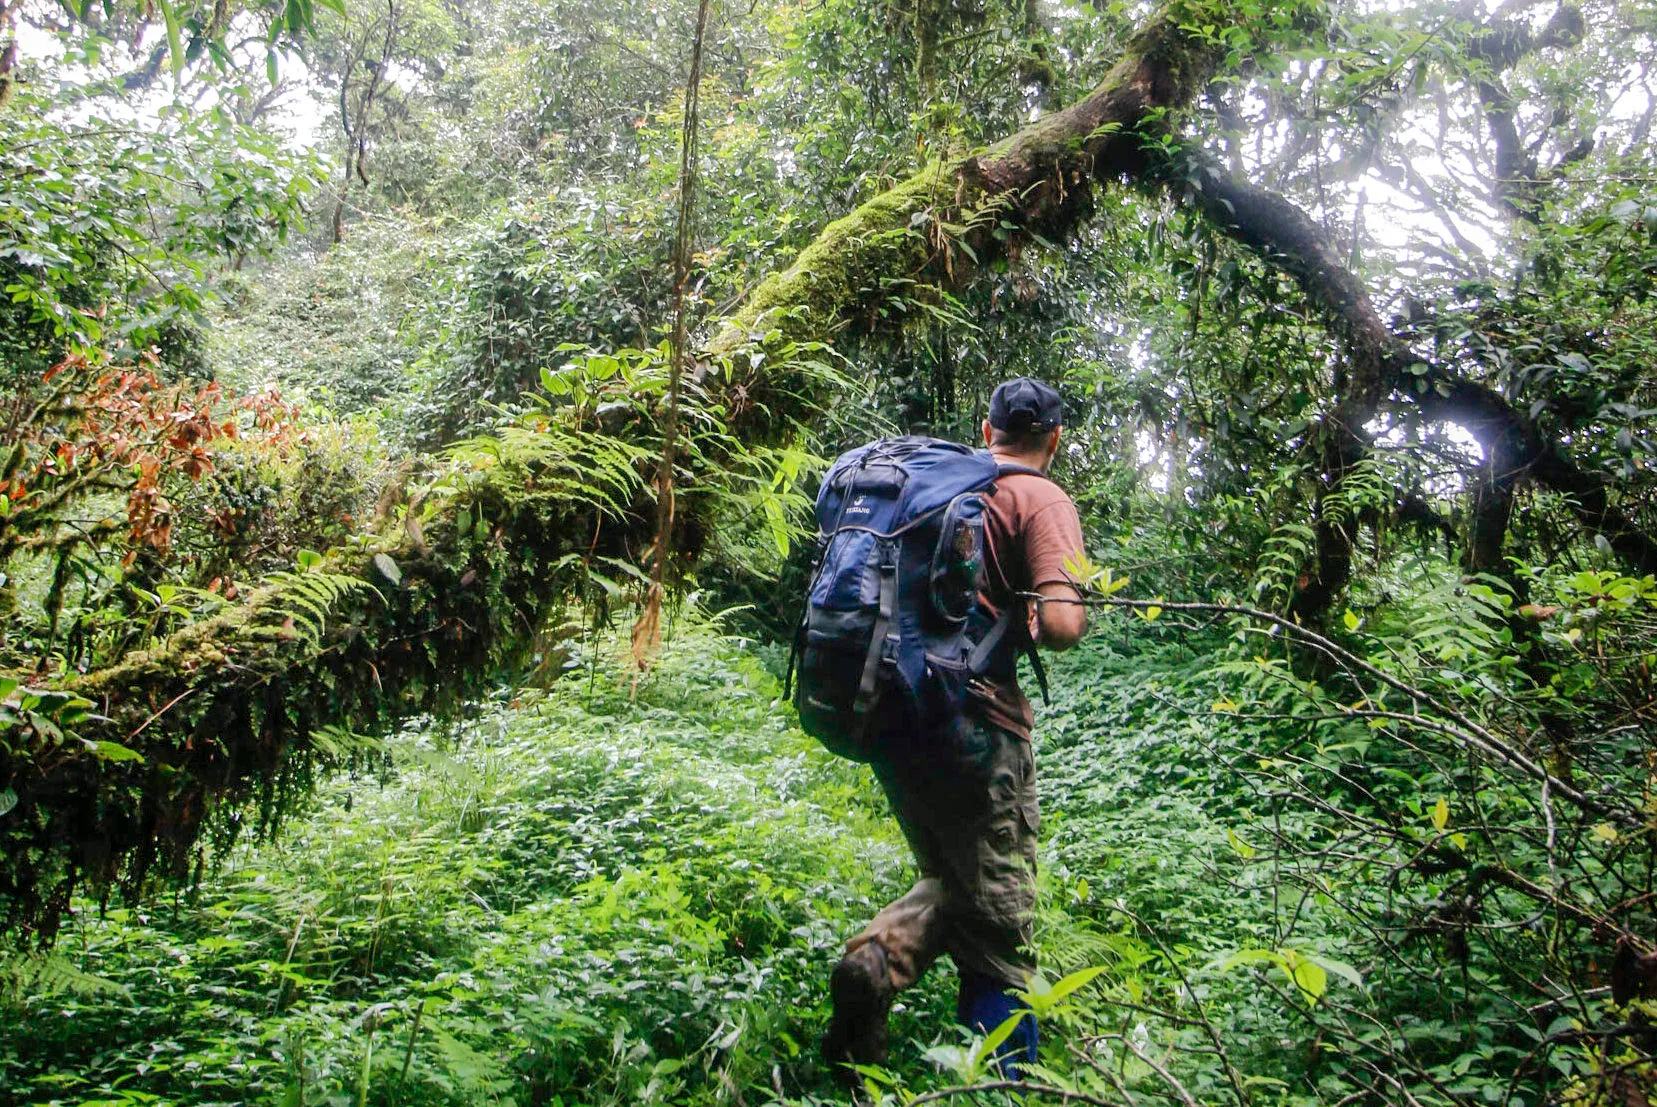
pixel 591 894
pixel 619 891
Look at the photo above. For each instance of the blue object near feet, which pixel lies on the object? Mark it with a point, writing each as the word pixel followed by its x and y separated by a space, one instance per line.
pixel 984 1004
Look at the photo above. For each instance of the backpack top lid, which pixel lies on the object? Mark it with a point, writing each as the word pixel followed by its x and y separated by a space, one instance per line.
pixel 913 475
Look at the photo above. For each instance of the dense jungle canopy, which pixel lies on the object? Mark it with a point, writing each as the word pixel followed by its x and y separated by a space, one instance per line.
pixel 411 416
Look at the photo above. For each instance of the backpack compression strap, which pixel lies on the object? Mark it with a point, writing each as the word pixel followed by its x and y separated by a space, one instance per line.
pixel 979 659
pixel 863 706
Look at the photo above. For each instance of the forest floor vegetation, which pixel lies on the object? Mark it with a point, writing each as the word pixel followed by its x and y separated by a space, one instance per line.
pixel 618 889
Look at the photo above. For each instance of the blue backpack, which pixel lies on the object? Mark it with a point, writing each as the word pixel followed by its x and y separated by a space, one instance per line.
pixel 893 630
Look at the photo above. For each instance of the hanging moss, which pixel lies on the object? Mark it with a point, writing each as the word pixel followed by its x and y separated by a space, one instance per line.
pixel 244 707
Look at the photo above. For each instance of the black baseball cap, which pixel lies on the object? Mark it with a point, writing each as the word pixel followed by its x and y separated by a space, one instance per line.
pixel 1024 404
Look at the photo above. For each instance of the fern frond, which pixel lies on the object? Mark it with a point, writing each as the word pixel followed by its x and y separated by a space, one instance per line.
pixel 26 974
pixel 1281 557
pixel 537 458
pixel 303 600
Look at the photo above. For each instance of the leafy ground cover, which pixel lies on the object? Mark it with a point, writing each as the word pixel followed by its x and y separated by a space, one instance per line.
pixel 603 892
pixel 586 895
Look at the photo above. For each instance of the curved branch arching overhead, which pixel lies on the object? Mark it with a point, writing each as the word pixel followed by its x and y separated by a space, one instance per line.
pixel 1040 180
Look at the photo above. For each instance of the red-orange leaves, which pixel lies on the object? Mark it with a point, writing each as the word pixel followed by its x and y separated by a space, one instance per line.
pixel 100 429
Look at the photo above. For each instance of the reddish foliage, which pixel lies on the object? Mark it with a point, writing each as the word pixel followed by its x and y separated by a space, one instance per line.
pixel 122 428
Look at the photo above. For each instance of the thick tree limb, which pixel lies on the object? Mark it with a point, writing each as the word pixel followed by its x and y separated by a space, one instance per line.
pixel 1497 48
pixel 1274 228
pixel 216 711
pixel 1038 179
pixel 1286 237
pixel 1380 360
pixel 1505 432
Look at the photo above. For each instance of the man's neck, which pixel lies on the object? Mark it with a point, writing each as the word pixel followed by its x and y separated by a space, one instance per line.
pixel 1036 461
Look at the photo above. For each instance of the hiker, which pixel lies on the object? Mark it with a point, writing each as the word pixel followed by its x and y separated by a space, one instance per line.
pixel 969 809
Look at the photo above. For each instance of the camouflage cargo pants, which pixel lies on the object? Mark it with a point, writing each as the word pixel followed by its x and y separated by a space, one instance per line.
pixel 970 814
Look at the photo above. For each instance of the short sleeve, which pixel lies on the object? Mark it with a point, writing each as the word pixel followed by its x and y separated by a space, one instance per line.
pixel 1052 536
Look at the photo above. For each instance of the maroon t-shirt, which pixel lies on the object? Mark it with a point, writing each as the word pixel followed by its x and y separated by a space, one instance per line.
pixel 1032 529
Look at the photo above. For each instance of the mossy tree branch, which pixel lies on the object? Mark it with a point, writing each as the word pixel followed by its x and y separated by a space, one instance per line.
pixel 947 220
pixel 211 717
pixel 215 711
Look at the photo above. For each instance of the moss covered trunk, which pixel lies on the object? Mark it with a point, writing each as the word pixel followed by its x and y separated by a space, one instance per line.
pixel 234 707
pixel 1038 180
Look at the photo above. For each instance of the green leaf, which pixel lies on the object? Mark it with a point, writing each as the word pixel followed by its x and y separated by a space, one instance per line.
pixel 114 751
pixel 611 588
pixel 992 1041
pixel 1308 976
pixel 1254 957
pixel 8 800
pixel 1075 980
pixel 628 568
pixel 1339 968
pixel 170 15
pixel 1351 621
pixel 777 523
pixel 953 1058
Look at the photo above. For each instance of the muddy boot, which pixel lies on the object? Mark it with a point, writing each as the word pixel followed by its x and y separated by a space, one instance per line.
pixel 862 992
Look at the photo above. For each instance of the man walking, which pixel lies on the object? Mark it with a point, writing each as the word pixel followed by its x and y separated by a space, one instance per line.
pixel 971 816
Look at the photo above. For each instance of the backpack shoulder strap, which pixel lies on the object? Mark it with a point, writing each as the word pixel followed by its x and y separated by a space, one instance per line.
pixel 1040 670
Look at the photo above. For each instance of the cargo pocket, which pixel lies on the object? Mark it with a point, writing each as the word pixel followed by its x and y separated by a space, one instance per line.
pixel 1006 889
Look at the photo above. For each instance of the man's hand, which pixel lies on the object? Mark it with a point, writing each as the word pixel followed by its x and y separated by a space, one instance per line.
pixel 1057 621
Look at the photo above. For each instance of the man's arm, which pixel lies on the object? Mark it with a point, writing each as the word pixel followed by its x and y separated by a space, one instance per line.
pixel 1052 540
pixel 1059 624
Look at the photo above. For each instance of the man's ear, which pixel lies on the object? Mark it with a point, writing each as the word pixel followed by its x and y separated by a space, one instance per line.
pixel 989 436
pixel 1053 445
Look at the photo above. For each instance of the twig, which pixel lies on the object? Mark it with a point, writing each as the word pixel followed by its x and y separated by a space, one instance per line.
pixel 408 1058
pixel 647 632
pixel 168 707
pixel 1167 1077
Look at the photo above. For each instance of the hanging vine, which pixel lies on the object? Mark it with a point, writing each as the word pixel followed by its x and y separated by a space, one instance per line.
pixel 647 632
